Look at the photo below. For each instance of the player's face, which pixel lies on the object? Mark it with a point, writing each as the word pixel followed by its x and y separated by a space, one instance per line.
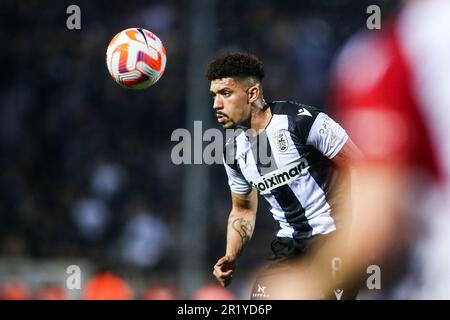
pixel 231 102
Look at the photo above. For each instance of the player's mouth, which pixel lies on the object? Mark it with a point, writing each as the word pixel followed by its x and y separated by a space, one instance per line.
pixel 221 118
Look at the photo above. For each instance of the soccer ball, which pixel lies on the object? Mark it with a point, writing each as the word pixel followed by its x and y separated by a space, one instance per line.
pixel 136 58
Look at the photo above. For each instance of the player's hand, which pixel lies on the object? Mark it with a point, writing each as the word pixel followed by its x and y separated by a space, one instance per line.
pixel 224 269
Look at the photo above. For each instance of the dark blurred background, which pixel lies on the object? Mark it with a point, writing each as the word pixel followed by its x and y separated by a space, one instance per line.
pixel 86 173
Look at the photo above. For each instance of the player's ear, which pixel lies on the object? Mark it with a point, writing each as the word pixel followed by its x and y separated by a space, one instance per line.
pixel 253 93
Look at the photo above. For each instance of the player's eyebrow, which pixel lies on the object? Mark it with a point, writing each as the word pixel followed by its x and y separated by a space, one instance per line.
pixel 221 91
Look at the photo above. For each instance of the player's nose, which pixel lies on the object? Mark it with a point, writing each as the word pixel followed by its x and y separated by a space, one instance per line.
pixel 217 105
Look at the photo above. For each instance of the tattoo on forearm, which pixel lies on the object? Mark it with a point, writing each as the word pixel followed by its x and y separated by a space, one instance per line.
pixel 243 227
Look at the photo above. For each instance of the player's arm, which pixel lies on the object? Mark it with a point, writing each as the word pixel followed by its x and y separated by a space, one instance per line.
pixel 345 161
pixel 329 138
pixel 347 155
pixel 241 223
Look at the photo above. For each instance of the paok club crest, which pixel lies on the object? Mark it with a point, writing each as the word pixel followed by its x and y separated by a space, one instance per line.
pixel 281 141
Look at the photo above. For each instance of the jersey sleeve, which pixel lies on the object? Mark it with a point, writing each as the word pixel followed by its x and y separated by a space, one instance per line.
pixel 315 128
pixel 326 135
pixel 236 180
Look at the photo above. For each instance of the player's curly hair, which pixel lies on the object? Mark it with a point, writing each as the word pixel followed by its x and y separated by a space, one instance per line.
pixel 238 65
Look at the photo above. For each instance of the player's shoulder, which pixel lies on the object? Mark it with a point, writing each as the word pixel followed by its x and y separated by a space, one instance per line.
pixel 301 117
pixel 293 108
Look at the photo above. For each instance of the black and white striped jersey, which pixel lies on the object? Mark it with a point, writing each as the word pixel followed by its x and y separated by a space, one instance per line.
pixel 294 172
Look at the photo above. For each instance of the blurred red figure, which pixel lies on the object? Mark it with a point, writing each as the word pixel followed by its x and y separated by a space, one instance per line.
pixel 391 90
pixel 51 293
pixel 14 291
pixel 160 293
pixel 213 292
pixel 107 286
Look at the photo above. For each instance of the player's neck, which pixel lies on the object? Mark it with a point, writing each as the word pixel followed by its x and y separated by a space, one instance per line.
pixel 260 117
